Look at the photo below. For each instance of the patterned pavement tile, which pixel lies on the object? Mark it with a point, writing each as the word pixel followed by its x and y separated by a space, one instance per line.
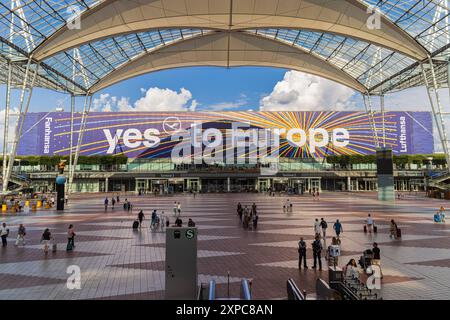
pixel 118 263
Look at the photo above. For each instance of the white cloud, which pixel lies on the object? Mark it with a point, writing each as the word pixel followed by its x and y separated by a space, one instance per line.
pixel 157 99
pixel 301 91
pixel 154 99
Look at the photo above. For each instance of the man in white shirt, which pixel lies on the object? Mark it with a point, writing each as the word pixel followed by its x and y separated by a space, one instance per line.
pixel 317 228
pixel 369 223
pixel 4 232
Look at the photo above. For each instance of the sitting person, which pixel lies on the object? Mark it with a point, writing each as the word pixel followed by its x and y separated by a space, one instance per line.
pixel 351 270
pixel 191 223
pixel 178 222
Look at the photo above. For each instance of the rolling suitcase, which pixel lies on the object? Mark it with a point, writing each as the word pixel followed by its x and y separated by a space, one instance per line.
pixel 135 224
pixel 399 233
pixel 54 247
pixel 69 246
pixel 365 229
pixel 375 229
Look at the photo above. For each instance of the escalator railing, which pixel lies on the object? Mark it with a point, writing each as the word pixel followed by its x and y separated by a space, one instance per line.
pixel 293 292
pixel 212 290
pixel 245 290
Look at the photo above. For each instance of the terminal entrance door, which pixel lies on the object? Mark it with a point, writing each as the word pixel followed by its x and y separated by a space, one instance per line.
pixel 315 184
pixel 141 185
pixel 298 186
pixel 193 184
pixel 159 186
pixel 281 185
pixel 263 185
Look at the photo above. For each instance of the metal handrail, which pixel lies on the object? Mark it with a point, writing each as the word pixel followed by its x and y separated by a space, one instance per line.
pixel 294 292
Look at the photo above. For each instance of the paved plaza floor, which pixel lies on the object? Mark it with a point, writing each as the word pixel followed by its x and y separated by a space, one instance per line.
pixel 117 263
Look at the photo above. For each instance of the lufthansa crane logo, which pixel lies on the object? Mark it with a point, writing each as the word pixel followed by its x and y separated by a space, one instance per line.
pixel 172 125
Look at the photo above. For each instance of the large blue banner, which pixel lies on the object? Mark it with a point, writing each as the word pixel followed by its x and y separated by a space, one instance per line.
pixel 300 134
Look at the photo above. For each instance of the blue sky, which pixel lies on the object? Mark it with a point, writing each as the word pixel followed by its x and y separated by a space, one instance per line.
pixel 241 88
pixel 208 85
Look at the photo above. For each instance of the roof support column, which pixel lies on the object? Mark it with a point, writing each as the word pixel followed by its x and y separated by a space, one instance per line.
pixel 86 109
pixel 436 109
pixel 383 117
pixel 22 115
pixel 369 110
pixel 6 127
pixel 72 114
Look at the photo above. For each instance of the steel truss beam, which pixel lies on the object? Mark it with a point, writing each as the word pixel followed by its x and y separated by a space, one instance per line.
pixel 6 128
pixel 82 127
pixel 22 112
pixel 369 110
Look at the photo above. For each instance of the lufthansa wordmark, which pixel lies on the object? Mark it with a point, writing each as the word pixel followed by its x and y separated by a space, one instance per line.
pixel 226 309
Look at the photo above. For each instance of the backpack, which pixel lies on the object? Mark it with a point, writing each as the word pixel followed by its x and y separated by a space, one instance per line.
pixel 324 224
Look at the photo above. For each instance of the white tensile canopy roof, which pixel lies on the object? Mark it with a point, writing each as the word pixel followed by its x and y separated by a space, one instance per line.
pixel 118 39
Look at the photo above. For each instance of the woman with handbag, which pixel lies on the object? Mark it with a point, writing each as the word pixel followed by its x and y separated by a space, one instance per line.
pixel 21 233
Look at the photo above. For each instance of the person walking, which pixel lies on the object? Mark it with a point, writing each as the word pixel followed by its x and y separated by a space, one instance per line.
pixel 4 233
pixel 118 199
pixel 302 254
pixel 324 226
pixel 317 228
pixel 369 223
pixel 178 209
pixel 253 209
pixel 338 228
pixel 255 221
pixel 106 204
pixel 113 202
pixel 317 251
pixel 154 216
pixel 141 218
pixel 175 209
pixel 21 233
pixel 70 238
pixel 45 239
pixel 393 229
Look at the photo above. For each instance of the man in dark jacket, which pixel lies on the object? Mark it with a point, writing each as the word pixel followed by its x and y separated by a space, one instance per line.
pixel 317 251
pixel 302 254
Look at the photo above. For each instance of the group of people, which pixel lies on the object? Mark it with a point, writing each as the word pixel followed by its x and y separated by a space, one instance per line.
pixel 315 193
pixel 288 207
pixel 17 204
pixel 47 238
pixel 248 216
pixel 334 249
pixel 160 221
pixel 127 206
